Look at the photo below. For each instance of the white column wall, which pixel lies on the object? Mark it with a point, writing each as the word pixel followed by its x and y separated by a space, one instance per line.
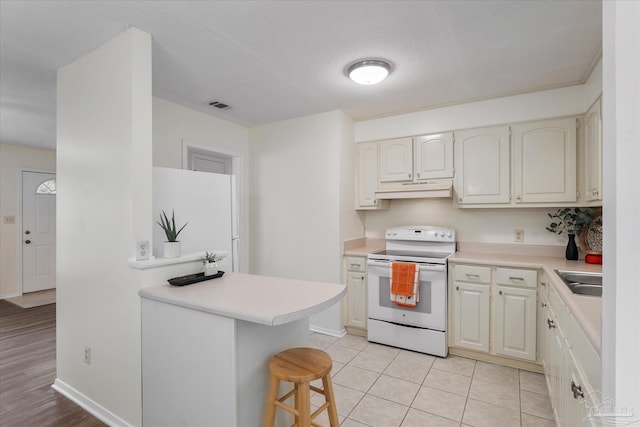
pixel 296 203
pixel 621 147
pixel 13 158
pixel 104 194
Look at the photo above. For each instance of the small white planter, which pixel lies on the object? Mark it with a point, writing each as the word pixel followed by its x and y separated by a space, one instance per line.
pixel 210 268
pixel 172 249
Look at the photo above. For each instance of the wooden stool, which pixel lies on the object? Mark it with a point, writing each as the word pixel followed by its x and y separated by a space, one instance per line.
pixel 301 366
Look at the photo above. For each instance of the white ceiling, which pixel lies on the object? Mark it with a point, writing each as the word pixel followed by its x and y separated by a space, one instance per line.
pixel 274 60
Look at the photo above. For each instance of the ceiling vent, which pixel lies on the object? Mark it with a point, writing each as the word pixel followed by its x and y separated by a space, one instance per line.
pixel 219 105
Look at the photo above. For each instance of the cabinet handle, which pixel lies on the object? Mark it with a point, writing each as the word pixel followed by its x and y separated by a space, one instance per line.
pixel 516 278
pixel 477 276
pixel 362 277
pixel 551 324
pixel 457 288
pixel 518 198
pixel 499 292
pixel 577 390
pixel 460 200
pixel 375 202
pixel 409 175
pixel 543 283
pixel 543 304
pixel 418 174
pixel 354 265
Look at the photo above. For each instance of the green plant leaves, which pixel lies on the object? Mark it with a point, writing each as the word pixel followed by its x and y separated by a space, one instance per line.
pixel 169 227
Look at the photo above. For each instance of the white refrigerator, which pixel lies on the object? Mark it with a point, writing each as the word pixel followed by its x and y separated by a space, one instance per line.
pixel 207 203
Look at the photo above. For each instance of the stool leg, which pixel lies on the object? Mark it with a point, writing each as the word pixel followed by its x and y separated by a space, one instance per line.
pixel 270 417
pixel 303 404
pixel 329 397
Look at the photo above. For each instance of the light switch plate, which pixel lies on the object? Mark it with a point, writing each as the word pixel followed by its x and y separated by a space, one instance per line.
pixel 142 250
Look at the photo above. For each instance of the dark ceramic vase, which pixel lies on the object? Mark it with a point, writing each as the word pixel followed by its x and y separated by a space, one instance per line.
pixel 572 249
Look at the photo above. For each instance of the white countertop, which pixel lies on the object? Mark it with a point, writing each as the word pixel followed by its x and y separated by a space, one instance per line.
pixel 258 299
pixel 587 310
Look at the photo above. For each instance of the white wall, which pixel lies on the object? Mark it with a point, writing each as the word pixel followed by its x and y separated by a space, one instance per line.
pixel 296 212
pixel 104 206
pixel 13 158
pixel 477 225
pixel 621 142
pixel 173 123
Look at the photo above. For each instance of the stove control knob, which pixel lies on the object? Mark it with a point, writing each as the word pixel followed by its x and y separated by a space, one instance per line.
pixel 450 234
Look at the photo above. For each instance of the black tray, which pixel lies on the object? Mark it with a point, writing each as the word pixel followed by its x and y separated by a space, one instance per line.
pixel 193 278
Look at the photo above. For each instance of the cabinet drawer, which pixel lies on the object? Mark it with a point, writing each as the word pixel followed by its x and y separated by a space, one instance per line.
pixel 472 273
pixel 356 264
pixel 517 277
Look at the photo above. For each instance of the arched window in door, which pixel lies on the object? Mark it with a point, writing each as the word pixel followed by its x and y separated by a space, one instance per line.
pixel 47 187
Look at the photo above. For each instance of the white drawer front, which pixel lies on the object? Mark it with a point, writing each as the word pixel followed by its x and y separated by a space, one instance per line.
pixel 356 264
pixel 517 277
pixel 472 273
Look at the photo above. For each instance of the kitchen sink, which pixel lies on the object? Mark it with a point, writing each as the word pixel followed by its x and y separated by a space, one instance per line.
pixel 582 283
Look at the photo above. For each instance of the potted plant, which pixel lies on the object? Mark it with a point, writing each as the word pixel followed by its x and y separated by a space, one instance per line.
pixel 571 221
pixel 172 247
pixel 210 261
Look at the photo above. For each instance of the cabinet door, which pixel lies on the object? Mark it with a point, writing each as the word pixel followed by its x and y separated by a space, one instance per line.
pixel 482 165
pixel 593 153
pixel 554 357
pixel 516 322
pixel 396 162
pixel 356 300
pixel 367 158
pixel 544 161
pixel 433 156
pixel 471 329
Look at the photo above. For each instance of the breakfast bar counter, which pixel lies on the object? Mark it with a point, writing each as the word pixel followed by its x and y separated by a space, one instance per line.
pixel 205 346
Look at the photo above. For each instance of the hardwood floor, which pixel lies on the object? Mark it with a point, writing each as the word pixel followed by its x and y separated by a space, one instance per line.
pixel 28 368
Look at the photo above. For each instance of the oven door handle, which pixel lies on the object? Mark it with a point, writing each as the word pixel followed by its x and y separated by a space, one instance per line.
pixel 424 267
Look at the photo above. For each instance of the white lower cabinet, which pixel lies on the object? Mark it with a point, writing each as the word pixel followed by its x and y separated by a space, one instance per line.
pixel 494 310
pixel 571 390
pixel 471 328
pixel 356 299
pixel 516 322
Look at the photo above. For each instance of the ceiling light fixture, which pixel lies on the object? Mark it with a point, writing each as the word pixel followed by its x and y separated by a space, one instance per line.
pixel 369 71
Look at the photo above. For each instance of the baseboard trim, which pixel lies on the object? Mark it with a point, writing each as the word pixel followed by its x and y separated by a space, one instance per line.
pixel 331 332
pixel 7 296
pixel 88 405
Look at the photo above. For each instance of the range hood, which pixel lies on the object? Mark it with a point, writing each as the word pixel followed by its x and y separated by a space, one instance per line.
pixel 441 189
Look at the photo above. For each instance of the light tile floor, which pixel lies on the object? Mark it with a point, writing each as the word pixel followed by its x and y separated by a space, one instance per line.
pixel 381 386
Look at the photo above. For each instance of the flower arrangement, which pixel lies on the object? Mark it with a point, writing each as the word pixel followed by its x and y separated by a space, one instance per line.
pixel 211 258
pixel 569 220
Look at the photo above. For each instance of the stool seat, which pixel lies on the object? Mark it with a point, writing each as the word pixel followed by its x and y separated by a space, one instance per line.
pixel 300 366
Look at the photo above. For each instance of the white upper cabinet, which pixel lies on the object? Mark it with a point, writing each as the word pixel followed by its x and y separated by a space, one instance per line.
pixel 433 156
pixel 593 153
pixel 396 160
pixel 482 165
pixel 367 177
pixel 544 161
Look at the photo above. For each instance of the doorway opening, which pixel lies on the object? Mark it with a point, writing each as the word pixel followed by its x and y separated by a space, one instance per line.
pixel 37 231
pixel 213 159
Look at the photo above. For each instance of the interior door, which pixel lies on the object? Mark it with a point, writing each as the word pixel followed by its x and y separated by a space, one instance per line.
pixel 38 231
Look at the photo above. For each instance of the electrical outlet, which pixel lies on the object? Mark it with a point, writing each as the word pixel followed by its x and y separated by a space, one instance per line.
pixel 9 219
pixel 87 355
pixel 518 235
pixel 142 250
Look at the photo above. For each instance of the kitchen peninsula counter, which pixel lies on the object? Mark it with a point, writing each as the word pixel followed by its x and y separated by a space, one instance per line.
pixel 587 310
pixel 252 298
pixel 205 346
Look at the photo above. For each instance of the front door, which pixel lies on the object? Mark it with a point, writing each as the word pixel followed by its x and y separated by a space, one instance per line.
pixel 38 231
